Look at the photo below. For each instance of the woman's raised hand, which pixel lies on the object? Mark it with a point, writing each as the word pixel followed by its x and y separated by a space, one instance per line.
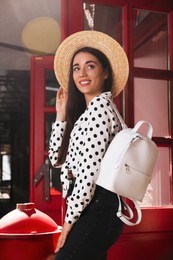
pixel 61 100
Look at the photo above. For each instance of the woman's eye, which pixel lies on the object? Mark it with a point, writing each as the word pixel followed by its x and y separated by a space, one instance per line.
pixel 75 68
pixel 91 66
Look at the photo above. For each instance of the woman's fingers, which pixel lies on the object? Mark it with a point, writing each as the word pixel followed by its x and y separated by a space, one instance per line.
pixel 61 243
pixel 61 95
pixel 64 94
pixel 64 233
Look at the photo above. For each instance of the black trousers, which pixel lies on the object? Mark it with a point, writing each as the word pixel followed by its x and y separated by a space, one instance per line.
pixel 97 229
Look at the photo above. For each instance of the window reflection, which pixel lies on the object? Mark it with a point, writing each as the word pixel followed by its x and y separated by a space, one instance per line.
pixel 159 190
pixel 51 88
pixel 49 119
pixel 5 175
pixel 55 183
pixel 151 103
pixel 150 39
pixel 54 177
pixel 107 19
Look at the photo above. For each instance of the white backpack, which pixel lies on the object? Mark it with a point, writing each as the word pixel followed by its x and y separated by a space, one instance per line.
pixel 127 166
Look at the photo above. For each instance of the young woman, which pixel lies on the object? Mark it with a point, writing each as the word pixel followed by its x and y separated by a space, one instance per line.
pixel 91 68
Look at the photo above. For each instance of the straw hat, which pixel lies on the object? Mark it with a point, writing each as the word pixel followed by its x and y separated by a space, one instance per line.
pixel 98 40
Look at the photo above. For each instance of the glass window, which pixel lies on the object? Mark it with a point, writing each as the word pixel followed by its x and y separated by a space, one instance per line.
pixel 151 104
pixel 159 190
pixel 150 39
pixel 49 119
pixel 51 88
pixel 55 182
pixel 107 19
pixel 5 175
pixel 6 167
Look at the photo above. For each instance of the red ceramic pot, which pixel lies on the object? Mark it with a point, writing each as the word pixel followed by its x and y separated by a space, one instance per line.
pixel 27 234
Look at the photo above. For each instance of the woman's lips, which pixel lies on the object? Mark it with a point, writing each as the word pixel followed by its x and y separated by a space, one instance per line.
pixel 84 82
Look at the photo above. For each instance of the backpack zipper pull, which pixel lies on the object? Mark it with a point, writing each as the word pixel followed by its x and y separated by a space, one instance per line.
pixel 126 168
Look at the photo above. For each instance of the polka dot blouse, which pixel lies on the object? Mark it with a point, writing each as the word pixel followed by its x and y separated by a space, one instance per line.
pixel 89 140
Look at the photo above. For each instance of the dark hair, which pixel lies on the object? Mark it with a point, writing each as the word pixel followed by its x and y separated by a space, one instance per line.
pixel 76 104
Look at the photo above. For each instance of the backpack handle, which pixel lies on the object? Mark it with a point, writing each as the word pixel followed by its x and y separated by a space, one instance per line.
pixel 150 128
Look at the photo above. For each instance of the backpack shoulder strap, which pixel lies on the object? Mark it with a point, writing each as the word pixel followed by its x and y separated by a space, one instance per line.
pixel 119 117
pixel 126 219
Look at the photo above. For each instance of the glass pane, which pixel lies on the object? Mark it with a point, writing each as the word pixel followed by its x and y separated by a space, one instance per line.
pixel 55 182
pixel 5 171
pixel 6 167
pixel 107 19
pixel 51 88
pixel 50 118
pixel 5 175
pixel 150 39
pixel 159 190
pixel 151 104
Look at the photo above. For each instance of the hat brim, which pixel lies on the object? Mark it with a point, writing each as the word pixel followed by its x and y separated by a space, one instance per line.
pixel 98 40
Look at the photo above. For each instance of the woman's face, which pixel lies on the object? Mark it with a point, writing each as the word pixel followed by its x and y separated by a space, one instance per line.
pixel 88 75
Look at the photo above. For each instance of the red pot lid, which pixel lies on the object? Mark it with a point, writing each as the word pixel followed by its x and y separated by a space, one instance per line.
pixel 26 219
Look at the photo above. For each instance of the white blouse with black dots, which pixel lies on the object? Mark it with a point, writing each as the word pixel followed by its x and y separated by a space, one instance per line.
pixel 89 140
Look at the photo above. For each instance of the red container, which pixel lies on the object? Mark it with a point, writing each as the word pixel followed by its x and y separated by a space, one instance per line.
pixel 27 234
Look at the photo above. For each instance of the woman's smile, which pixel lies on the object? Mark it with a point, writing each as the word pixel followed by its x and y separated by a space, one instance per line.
pixel 84 82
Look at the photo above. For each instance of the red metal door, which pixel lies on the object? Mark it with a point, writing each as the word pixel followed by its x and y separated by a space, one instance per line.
pixel 42 194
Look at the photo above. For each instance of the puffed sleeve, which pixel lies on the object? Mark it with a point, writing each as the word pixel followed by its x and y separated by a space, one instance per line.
pixel 58 129
pixel 100 126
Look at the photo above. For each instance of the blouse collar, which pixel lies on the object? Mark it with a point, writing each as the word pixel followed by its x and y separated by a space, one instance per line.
pixel 107 94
